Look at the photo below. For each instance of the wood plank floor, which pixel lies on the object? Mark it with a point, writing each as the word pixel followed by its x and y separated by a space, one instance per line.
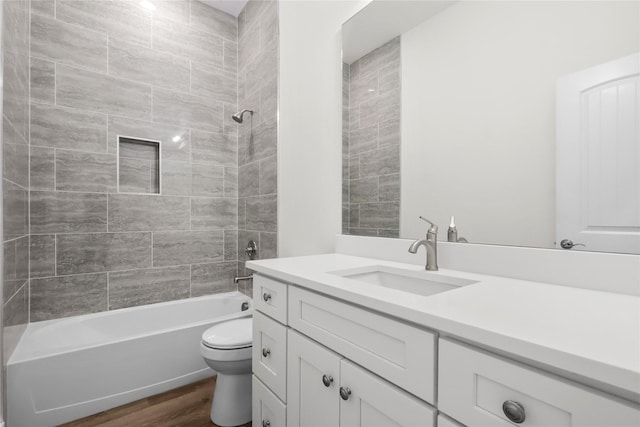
pixel 186 406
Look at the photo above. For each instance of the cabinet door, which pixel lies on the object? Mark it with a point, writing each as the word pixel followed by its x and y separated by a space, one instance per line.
pixel 373 402
pixel 267 409
pixel 311 403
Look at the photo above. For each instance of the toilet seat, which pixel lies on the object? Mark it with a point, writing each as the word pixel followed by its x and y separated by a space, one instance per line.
pixel 230 335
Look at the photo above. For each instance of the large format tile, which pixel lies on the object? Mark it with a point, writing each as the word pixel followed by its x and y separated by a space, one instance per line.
pixel 364 190
pixel 216 148
pixel 268 245
pixel 230 56
pixel 103 94
pixel 231 182
pixel 187 247
pixel 230 245
pixel 214 83
pixel 211 20
pixel 68 44
pixel 174 139
pixel 90 172
pixel 16 162
pixel 214 214
pixel 15 213
pixel 135 176
pixel 249 180
pixel 43 81
pixel 182 40
pixel 380 162
pixel 207 180
pixel 59 127
pixel 213 278
pixel 60 212
pixel 147 213
pixel 42 250
pixel 148 286
pixel 187 110
pixel 44 7
pixel 380 215
pixel 268 175
pixel 97 252
pixel 363 139
pixel 16 91
pixel 262 213
pixel 146 65
pixel 64 296
pixel 16 310
pixel 389 187
pixel 176 178
pixel 16 265
pixel 120 19
pixel 42 168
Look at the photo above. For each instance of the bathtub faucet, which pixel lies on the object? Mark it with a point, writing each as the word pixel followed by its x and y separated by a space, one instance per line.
pixel 239 278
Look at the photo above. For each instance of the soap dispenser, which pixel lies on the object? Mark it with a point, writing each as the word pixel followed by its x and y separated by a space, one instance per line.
pixel 452 232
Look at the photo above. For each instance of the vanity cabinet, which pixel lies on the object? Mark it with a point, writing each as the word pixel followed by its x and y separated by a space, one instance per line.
pixel 478 388
pixel 327 390
pixel 319 361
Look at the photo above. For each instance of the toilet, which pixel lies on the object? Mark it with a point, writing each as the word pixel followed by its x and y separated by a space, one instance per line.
pixel 226 348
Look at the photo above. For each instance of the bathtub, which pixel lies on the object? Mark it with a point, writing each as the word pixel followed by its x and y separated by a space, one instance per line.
pixel 69 368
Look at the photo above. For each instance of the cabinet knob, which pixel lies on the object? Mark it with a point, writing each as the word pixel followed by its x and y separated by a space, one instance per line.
pixel 266 296
pixel 514 411
pixel 327 380
pixel 345 392
pixel 266 423
pixel 266 352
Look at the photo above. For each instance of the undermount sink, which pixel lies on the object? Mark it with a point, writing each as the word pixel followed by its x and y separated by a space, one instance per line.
pixel 416 282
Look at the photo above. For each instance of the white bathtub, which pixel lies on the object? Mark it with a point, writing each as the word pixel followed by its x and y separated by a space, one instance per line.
pixel 70 368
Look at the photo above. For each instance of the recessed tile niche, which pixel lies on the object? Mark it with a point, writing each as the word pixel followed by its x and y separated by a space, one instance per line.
pixel 138 165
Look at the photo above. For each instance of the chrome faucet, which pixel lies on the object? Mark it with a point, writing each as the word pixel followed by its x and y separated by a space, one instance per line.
pixel 430 244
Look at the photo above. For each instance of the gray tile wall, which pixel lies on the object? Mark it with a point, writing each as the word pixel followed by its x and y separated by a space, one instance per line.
pixel 15 180
pixel 100 69
pixel 257 139
pixel 371 143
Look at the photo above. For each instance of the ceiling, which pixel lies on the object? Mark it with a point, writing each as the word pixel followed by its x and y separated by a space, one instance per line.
pixel 232 7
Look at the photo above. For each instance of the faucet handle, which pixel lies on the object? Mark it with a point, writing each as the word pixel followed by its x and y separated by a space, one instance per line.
pixel 434 228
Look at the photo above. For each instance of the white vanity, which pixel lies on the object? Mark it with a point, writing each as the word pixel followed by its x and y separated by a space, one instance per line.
pixel 341 340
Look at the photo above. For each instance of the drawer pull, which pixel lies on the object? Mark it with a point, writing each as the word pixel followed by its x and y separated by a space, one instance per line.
pixel 327 380
pixel 514 411
pixel 345 392
pixel 266 423
pixel 266 296
pixel 266 352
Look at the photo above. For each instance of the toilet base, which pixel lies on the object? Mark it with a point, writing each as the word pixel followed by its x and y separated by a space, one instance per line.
pixel 232 400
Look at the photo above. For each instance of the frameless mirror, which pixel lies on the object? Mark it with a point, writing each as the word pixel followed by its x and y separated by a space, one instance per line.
pixel 519 118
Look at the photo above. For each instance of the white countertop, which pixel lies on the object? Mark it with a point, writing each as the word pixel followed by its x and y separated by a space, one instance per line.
pixel 587 335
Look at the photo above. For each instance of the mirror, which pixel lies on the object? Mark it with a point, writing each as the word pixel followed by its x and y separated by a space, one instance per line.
pixel 471 109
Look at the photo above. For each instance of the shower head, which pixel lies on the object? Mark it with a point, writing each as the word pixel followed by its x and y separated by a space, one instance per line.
pixel 238 116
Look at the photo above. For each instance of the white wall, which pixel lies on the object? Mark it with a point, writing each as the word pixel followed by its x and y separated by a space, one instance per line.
pixel 461 70
pixel 309 129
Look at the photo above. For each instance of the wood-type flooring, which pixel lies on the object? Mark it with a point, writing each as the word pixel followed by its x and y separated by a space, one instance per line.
pixel 187 406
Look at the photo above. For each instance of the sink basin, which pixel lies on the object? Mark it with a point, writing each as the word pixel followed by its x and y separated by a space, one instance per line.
pixel 416 282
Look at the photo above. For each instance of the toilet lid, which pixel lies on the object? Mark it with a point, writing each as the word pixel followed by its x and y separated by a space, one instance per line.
pixel 230 334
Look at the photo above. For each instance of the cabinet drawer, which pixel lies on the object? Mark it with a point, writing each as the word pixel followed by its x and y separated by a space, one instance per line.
pixel 473 386
pixel 266 408
pixel 270 354
pixel 400 353
pixel 270 297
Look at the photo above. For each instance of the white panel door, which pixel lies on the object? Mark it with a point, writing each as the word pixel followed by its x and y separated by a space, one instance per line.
pixel 373 402
pixel 598 157
pixel 313 375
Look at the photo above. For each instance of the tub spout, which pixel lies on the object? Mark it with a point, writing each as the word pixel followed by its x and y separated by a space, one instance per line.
pixel 239 278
